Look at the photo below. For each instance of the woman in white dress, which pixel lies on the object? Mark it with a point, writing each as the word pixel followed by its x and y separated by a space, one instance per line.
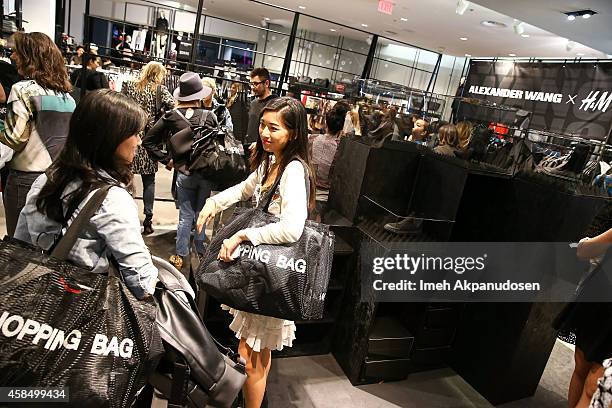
pixel 281 151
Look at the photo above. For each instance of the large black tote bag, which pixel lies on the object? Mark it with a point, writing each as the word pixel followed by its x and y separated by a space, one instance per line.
pixel 63 326
pixel 285 281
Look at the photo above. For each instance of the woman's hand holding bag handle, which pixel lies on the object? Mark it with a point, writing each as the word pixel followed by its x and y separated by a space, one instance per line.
pixel 287 281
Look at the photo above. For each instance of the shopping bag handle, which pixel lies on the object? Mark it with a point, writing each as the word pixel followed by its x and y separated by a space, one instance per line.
pixel 64 246
pixel 270 195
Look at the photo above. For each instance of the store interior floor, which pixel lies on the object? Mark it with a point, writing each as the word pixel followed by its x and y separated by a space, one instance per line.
pixel 319 382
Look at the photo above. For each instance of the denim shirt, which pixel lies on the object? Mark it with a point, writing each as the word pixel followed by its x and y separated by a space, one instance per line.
pixel 113 230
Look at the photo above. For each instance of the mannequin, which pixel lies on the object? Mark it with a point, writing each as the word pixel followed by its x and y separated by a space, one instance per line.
pixel 184 47
pixel 172 53
pixel 161 35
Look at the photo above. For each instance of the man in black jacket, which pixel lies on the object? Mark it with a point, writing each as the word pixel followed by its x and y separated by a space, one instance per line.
pixel 260 85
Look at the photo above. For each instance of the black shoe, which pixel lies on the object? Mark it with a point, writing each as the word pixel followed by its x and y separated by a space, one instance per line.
pixel 147 226
pixel 406 226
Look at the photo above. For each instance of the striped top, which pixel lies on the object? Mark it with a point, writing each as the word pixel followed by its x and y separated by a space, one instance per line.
pixel 36 125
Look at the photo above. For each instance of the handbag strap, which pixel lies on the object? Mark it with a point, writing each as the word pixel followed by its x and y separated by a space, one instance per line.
pixel 203 117
pixel 158 100
pixel 278 180
pixel 64 246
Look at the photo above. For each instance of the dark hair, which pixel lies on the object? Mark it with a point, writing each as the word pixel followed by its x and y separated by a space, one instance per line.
pixel 374 120
pixel 334 119
pixel 293 115
pixel 262 73
pixel 79 47
pixel 479 141
pixel 342 105
pixel 449 135
pixel 42 61
pixel 102 120
pixel 435 126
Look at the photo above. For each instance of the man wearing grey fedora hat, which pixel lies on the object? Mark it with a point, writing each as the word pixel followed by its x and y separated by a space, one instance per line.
pixel 192 190
pixel 191 88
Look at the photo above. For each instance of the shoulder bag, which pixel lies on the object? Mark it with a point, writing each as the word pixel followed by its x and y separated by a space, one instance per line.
pixel 286 281
pixel 63 326
pixel 196 370
pixel 209 149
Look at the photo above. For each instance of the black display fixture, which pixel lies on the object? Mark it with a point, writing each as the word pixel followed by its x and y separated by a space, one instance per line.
pixel 367 69
pixel 19 14
pixel 287 62
pixel 60 19
pixel 196 33
pixel 86 42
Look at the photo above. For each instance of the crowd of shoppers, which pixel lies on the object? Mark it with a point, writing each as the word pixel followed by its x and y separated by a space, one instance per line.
pixel 60 155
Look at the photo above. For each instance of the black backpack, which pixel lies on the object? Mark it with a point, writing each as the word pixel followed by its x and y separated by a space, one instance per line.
pixel 208 149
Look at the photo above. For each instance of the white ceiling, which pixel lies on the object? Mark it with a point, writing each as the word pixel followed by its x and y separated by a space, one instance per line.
pixel 595 32
pixel 434 24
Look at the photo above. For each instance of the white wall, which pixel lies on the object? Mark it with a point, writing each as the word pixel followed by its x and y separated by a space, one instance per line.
pixel 227 29
pixel 77 19
pixel 40 16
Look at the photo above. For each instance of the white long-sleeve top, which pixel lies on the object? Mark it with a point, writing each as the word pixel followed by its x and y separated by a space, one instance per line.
pixel 289 204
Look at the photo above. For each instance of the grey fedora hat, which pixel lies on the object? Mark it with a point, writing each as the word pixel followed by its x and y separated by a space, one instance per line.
pixel 190 88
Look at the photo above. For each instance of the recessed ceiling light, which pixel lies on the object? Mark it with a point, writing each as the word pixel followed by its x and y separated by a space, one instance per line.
pixel 580 54
pixel 302 7
pixel 332 30
pixel 572 15
pixel 204 8
pixel 491 23
pixel 267 18
pixel 512 55
pixel 364 25
pixel 404 19
pixel 463 38
pixel 525 35
pixel 468 55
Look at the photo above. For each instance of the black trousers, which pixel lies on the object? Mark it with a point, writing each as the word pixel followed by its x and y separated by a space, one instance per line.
pixel 17 189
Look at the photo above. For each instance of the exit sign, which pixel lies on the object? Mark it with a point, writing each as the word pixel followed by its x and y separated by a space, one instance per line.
pixel 385 6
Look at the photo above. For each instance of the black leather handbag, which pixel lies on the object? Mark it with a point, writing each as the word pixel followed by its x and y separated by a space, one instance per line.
pixel 64 326
pixel 196 370
pixel 209 149
pixel 286 281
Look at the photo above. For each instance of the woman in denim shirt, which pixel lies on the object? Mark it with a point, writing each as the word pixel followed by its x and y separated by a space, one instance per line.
pixel 101 145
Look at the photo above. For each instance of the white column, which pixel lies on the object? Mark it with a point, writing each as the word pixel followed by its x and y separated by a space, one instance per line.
pixel 40 16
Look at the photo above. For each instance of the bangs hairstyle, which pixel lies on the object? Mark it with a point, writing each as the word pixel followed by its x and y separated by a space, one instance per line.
pixel 293 115
pixel 42 61
pixel 152 73
pixel 102 120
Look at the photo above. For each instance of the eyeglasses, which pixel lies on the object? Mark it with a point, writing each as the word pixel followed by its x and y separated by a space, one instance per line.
pixel 255 83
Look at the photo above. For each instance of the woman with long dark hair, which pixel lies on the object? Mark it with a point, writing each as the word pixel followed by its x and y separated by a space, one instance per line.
pixel 95 156
pixel 38 113
pixel 281 153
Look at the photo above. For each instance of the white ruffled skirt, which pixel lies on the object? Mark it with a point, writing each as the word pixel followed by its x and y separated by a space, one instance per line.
pixel 261 332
